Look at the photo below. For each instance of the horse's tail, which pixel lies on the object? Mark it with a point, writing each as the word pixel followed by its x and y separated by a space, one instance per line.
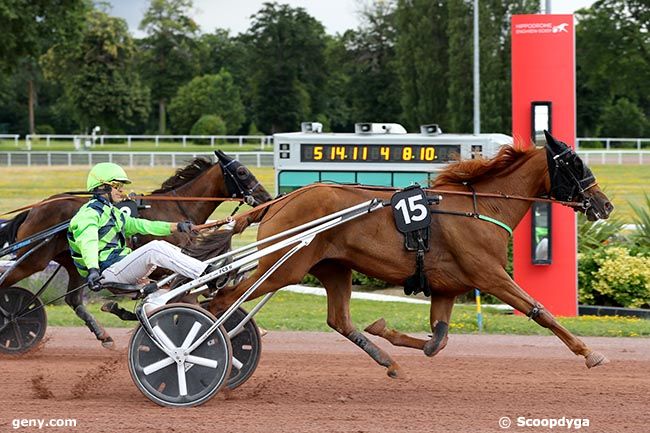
pixel 209 245
pixel 218 242
pixel 9 229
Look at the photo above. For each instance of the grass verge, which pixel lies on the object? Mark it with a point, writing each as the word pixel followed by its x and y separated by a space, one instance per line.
pixel 297 312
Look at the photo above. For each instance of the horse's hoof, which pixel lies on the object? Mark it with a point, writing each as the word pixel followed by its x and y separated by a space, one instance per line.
pixel 595 359
pixel 377 327
pixel 433 347
pixel 109 306
pixel 395 372
pixel 108 343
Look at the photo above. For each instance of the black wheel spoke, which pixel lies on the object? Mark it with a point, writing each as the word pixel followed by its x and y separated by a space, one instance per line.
pixel 27 327
pixel 18 334
pixel 4 312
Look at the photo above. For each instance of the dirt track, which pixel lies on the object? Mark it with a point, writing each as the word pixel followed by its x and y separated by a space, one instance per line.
pixel 319 382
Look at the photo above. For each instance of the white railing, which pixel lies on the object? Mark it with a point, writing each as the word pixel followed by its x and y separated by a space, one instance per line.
pixel 638 142
pixel 92 140
pixel 615 156
pixel 13 137
pixel 131 159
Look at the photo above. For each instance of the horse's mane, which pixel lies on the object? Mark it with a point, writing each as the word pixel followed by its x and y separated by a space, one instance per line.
pixel 185 175
pixel 473 170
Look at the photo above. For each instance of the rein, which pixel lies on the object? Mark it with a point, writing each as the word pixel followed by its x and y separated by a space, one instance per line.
pixel 472 193
pixel 144 197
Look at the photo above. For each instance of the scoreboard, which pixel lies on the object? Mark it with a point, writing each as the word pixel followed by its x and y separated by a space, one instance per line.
pixel 376 154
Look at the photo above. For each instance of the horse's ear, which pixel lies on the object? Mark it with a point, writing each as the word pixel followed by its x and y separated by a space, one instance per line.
pixel 554 145
pixel 221 156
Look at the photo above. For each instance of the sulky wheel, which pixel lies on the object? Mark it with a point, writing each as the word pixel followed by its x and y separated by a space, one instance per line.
pixel 22 320
pixel 246 348
pixel 192 379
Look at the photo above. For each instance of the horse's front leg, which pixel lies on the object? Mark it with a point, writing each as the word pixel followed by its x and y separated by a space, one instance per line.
pixel 440 313
pixel 504 288
pixel 74 298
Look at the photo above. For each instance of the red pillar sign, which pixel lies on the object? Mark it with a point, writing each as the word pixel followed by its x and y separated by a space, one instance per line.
pixel 543 70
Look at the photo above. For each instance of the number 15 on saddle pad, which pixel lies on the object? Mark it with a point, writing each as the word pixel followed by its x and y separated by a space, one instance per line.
pixel 411 209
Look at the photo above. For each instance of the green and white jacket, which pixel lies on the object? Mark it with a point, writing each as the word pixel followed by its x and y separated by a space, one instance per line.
pixel 98 232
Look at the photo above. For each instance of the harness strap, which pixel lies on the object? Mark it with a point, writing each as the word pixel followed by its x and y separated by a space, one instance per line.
pixel 495 221
pixel 476 216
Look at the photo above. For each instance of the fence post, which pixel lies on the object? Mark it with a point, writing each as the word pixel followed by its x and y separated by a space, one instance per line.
pixel 49 159
pixel 602 158
pixel 607 143
pixel 620 158
pixel 212 140
pixel 173 160
pixel 184 141
pixel 47 141
pixel 69 159
pixel 130 160
pixel 151 162
pixel 241 141
pixel 16 139
pixel 128 140
pixel 29 160
pixel 9 159
pixel 101 140
pixel 259 160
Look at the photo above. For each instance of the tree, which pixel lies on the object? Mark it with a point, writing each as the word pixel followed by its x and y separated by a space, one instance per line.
pixel 101 83
pixel 169 53
pixel 460 100
pixel 29 29
pixel 422 43
pixel 613 59
pixel 288 69
pixel 374 86
pixel 622 118
pixel 209 94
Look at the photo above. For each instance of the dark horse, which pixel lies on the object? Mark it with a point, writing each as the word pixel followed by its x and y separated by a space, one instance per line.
pixel 466 253
pixel 201 178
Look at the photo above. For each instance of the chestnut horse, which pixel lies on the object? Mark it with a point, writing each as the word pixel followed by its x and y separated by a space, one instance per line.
pixel 465 253
pixel 200 178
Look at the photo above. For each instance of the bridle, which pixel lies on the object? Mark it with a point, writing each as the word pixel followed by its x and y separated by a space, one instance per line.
pixel 566 184
pixel 236 186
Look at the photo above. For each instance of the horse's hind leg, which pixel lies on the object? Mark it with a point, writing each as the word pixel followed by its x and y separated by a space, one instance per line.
pixel 440 314
pixel 337 280
pixel 509 292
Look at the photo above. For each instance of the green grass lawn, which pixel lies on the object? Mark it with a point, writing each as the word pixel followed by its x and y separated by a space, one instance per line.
pixel 24 185
pixel 297 312
pixel 623 184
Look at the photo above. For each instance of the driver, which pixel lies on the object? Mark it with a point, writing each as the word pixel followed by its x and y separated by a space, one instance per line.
pixel 98 232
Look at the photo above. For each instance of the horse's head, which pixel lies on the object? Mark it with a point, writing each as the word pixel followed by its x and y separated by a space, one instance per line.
pixel 572 180
pixel 240 182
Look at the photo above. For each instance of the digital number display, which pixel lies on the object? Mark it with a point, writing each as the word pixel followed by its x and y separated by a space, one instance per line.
pixel 417 153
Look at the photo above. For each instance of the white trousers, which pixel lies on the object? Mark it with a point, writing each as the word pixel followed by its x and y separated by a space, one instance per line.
pixel 144 260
